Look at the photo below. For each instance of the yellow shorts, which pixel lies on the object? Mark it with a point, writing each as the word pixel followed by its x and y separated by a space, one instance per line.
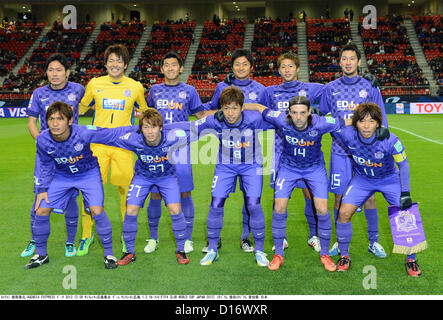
pixel 120 161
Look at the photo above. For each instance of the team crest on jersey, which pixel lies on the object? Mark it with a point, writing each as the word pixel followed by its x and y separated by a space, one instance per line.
pixel 313 133
pixel 127 93
pixel 363 93
pixel 302 93
pixel 71 97
pixel 78 147
pixel 252 96
pixel 379 155
pixel 182 95
pixel 125 137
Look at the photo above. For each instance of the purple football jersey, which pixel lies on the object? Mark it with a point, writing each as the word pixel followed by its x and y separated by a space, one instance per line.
pixel 372 158
pixel 253 91
pixel 302 149
pixel 43 97
pixel 340 98
pixel 239 142
pixel 175 103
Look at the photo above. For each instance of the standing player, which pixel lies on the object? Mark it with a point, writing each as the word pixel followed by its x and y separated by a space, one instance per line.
pixel 175 101
pixel 242 63
pixel 67 166
pixel 277 97
pixel 115 97
pixel 239 156
pixel 340 98
pixel 301 160
pixel 58 89
pixel 375 171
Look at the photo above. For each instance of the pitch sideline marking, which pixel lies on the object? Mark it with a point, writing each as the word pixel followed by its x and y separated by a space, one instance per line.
pixel 419 136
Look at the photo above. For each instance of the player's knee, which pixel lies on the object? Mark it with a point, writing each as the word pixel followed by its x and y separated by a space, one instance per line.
pixel 344 215
pixel 43 211
pixel 279 208
pixel 174 209
pixel 95 210
pixel 132 210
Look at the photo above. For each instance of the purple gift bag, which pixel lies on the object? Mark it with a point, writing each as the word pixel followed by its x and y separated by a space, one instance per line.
pixel 407 230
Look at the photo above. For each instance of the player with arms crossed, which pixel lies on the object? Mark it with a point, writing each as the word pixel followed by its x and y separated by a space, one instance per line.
pixel 375 171
pixel 340 98
pixel 242 63
pixel 239 156
pixel 58 89
pixel 68 166
pixel 301 160
pixel 175 101
pixel 114 97
pixel 277 98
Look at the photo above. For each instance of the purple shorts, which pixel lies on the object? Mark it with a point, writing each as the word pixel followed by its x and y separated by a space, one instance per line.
pixel 316 179
pixel 141 187
pixel 361 188
pixel 274 172
pixel 340 173
pixel 225 176
pixel 63 188
pixel 184 176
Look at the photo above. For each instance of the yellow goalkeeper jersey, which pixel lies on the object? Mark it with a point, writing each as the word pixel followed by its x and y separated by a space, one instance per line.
pixel 114 101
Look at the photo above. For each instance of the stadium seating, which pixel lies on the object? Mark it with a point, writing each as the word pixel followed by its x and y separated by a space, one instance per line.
pixel 391 59
pixel 325 38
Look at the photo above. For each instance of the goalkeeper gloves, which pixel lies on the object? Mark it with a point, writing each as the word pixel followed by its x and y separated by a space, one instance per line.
pixel 405 200
pixel 382 133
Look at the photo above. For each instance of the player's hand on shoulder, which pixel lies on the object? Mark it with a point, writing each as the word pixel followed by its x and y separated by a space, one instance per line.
pixel 229 77
pixel 370 77
pixel 218 115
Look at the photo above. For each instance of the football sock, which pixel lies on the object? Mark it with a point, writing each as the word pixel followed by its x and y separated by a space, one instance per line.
pixel 214 226
pixel 246 216
pixel 344 236
pixel 130 228
pixel 324 232
pixel 179 230
pixel 33 218
pixel 257 224
pixel 71 220
pixel 279 231
pixel 188 211
pixel 154 214
pixel 310 217
pixel 104 231
pixel 372 221
pixel 410 256
pixel 41 230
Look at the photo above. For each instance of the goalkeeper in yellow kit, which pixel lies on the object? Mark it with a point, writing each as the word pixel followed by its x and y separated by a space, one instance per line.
pixel 114 97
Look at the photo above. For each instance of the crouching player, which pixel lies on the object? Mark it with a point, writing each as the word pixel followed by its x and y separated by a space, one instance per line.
pixel 66 167
pixel 375 171
pixel 301 160
pixel 152 143
pixel 239 156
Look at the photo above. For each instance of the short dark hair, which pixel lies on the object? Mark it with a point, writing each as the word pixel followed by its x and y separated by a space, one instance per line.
pixel 152 117
pixel 119 50
pixel 172 54
pixel 61 107
pixel 232 94
pixel 57 57
pixel 363 110
pixel 290 55
pixel 237 53
pixel 351 46
pixel 299 100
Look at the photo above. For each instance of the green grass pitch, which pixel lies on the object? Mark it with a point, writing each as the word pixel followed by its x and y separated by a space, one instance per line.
pixel 236 273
